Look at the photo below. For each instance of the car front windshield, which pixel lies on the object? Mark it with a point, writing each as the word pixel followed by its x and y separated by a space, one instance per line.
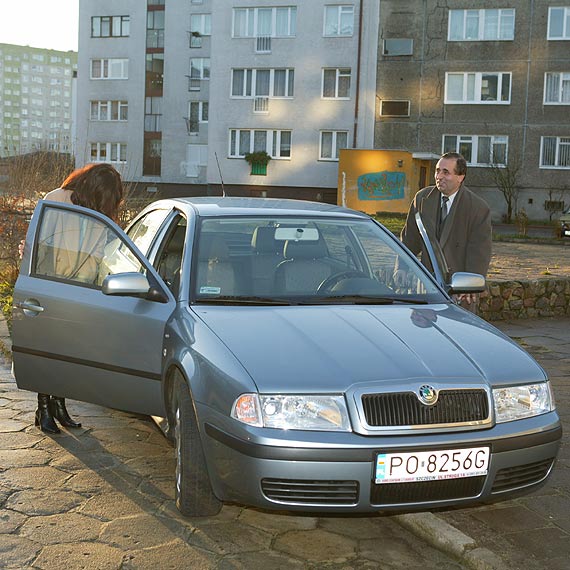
pixel 304 260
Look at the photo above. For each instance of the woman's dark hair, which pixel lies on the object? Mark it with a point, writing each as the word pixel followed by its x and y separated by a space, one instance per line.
pixel 96 186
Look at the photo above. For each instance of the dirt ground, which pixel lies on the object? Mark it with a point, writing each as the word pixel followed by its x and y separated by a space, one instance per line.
pixel 529 261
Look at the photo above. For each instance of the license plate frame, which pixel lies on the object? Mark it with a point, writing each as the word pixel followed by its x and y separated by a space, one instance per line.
pixel 431 465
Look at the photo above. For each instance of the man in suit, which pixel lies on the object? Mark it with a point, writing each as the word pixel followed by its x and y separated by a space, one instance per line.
pixel 455 216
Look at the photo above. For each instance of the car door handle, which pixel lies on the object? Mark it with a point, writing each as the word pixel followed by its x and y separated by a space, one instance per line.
pixel 32 306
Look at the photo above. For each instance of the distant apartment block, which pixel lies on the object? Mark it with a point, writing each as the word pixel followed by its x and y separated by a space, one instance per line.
pixel 36 100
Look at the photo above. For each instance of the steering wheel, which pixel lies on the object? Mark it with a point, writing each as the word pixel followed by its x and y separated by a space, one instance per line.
pixel 332 280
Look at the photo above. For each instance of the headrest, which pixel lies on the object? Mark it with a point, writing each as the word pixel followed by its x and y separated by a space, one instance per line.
pixel 213 247
pixel 263 240
pixel 176 242
pixel 304 249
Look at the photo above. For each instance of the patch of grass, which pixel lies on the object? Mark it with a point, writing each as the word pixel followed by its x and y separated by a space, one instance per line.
pixel 393 221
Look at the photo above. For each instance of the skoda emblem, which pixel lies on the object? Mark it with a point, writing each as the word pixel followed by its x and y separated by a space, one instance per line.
pixel 427 395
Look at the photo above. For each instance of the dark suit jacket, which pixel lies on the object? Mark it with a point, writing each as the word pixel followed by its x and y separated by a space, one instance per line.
pixel 466 236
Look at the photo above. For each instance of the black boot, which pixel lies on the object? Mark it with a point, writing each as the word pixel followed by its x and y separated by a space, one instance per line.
pixel 44 418
pixel 59 412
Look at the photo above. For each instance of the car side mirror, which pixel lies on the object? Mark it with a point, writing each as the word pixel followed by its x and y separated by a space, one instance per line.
pixel 463 282
pixel 131 285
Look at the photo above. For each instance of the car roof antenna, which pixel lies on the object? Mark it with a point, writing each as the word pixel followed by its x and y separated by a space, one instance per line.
pixel 220 171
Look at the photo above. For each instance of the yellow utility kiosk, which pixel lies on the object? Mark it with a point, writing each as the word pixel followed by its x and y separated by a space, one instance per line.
pixel 382 180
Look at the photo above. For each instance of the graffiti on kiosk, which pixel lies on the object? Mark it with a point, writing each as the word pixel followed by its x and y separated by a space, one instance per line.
pixel 381 185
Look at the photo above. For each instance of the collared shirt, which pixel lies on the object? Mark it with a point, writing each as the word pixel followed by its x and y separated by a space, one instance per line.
pixel 450 201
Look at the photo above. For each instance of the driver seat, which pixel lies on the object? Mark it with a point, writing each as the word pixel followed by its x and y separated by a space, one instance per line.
pixel 303 269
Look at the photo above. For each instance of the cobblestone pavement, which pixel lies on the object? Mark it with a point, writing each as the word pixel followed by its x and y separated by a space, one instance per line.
pixel 101 497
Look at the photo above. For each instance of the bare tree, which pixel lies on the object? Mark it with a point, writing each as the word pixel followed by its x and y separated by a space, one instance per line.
pixel 505 176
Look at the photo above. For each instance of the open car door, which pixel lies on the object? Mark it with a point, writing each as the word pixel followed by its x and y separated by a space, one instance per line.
pixel 73 336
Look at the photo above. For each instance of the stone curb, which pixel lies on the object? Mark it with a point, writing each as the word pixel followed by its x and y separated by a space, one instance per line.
pixel 448 539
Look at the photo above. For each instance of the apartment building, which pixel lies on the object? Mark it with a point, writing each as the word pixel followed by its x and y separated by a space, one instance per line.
pixel 36 100
pixel 176 93
pixel 488 79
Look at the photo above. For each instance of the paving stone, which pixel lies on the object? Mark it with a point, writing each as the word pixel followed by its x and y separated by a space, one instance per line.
pixel 9 522
pixel 228 538
pixel 161 489
pixel 10 425
pixel 152 466
pixel 19 440
pixel 122 435
pixel 316 545
pixel 23 458
pixel 358 527
pixel 277 522
pixel 34 477
pixel 175 555
pixel 79 556
pixel 259 561
pixel 542 543
pixel 16 551
pixel 132 533
pixel 554 506
pixel 32 502
pixel 61 529
pixel 510 519
pixel 139 449
pixel 110 506
pixel 88 481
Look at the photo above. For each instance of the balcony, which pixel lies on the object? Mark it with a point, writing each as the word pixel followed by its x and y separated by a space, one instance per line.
pixel 261 105
pixel 263 44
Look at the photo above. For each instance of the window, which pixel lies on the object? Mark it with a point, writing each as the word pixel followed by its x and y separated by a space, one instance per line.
pixel 152 114
pixel 478 150
pixel 478 88
pixel 557 88
pixel 339 21
pixel 398 46
pixel 555 152
pixel 200 25
pixel 197 114
pixel 272 22
pixel 330 144
pixel 155 29
pixel 154 75
pixel 559 23
pixel 109 69
pixel 200 68
pixel 152 157
pixel 336 84
pixel 108 152
pixel 481 25
pixel 110 26
pixel 276 143
pixel 196 156
pixel 262 82
pixel 109 110
pixel 394 108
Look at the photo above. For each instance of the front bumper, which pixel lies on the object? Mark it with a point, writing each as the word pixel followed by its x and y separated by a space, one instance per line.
pixel 333 472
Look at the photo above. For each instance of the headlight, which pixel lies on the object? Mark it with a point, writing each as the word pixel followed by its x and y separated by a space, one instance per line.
pixel 315 412
pixel 516 402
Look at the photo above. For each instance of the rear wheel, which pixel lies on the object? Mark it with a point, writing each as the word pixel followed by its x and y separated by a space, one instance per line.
pixel 194 496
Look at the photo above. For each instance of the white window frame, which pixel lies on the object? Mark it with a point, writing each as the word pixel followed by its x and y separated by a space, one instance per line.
pixel 110 68
pixel 250 83
pixel 203 112
pixel 481 35
pixel 341 72
pixel 341 10
pixel 252 26
pixel 562 89
pixel 274 143
pixel 202 64
pixel 201 23
pixel 104 110
pixel 476 79
pixel 335 149
pixel 106 151
pixel 562 143
pixel 562 14
pixel 474 141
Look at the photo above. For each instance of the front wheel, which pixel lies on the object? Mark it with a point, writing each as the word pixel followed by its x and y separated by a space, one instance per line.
pixel 194 496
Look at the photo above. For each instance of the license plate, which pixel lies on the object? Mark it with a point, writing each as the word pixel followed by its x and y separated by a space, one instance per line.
pixel 431 465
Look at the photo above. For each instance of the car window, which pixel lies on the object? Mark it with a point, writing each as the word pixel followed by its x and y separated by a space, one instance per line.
pixel 309 259
pixel 77 248
pixel 143 231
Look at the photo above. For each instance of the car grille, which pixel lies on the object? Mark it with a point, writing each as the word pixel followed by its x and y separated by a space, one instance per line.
pixel 426 491
pixel 311 492
pixel 404 408
pixel 521 476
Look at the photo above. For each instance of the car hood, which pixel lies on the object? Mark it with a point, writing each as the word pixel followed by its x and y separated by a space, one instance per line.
pixel 330 348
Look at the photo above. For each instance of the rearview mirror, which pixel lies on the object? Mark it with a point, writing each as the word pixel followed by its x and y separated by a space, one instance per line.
pixel 125 284
pixel 463 282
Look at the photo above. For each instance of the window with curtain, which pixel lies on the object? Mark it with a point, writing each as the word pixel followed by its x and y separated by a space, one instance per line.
pixel 478 88
pixel 557 88
pixel 339 21
pixel 481 25
pixel 330 144
pixel 555 152
pixel 336 83
pixel 478 150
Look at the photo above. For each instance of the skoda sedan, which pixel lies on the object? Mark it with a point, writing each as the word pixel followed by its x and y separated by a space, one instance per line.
pixel 286 363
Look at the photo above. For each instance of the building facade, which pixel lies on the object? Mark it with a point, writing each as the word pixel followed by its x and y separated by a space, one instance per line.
pixel 37 100
pixel 175 93
pixel 491 81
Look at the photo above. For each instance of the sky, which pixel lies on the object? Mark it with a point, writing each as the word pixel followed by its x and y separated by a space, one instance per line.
pixel 50 24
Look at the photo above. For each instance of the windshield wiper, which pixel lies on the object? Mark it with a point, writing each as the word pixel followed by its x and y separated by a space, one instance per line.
pixel 240 300
pixel 367 300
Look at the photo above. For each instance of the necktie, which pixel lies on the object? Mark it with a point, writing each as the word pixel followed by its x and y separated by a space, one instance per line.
pixel 443 213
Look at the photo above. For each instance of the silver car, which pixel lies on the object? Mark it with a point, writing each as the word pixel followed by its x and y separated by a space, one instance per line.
pixel 290 367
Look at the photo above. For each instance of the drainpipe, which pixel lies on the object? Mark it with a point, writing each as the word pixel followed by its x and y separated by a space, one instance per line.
pixel 357 94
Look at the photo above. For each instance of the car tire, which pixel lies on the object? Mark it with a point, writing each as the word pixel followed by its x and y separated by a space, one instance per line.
pixel 194 495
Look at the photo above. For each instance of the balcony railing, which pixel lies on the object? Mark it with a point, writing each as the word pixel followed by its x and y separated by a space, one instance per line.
pixel 261 105
pixel 263 44
pixel 194 84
